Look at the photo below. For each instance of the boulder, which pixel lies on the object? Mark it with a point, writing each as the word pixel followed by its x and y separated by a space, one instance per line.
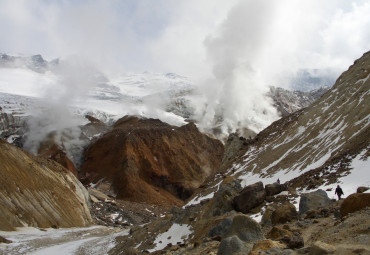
pixel 221 229
pixel 362 189
pixel 275 188
pixel 277 233
pixel 250 197
pixel 293 242
pixel 242 226
pixel 266 217
pixel 321 248
pixel 98 194
pixel 232 245
pixel 354 202
pixel 284 213
pixel 313 201
pixel 264 245
pixel 223 199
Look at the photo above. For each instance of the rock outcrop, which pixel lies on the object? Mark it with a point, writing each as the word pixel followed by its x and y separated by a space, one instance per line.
pixel 250 197
pixel 56 153
pixel 274 188
pixel 146 160
pixel 38 192
pixel 313 201
pixel 287 102
pixel 354 203
pixel 284 213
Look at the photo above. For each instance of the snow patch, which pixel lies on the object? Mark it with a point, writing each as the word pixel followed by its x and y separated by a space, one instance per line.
pixel 176 234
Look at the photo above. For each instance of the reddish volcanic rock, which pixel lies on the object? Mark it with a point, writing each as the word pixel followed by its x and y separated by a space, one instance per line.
pixel 56 153
pixel 146 160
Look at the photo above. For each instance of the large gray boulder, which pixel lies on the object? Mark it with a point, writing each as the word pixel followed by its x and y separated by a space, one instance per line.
pixel 250 197
pixel 242 226
pixel 313 201
pixel 232 245
pixel 222 202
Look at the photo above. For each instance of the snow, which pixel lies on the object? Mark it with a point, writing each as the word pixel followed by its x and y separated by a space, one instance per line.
pixel 25 82
pixel 89 240
pixel 123 95
pixel 176 233
pixel 359 175
pixel 66 248
pixel 198 199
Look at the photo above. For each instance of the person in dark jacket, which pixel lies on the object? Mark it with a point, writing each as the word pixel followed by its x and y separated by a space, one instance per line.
pixel 339 192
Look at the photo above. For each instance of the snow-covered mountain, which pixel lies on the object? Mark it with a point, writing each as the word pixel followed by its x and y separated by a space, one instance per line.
pixel 307 80
pixel 58 94
pixel 35 63
pixel 287 101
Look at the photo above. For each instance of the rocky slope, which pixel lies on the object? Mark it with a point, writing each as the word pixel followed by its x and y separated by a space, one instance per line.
pixel 317 147
pixel 318 140
pixel 287 102
pixel 146 160
pixel 36 62
pixel 38 192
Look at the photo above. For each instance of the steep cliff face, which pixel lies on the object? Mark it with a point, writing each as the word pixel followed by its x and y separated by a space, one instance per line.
pixel 150 161
pixel 38 192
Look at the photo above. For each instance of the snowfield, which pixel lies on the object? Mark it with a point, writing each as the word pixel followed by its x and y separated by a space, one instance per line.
pixel 91 240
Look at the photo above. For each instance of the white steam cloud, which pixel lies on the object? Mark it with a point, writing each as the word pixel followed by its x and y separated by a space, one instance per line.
pixel 74 77
pixel 237 88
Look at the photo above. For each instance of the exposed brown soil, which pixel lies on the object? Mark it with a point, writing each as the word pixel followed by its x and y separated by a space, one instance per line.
pixel 38 192
pixel 146 160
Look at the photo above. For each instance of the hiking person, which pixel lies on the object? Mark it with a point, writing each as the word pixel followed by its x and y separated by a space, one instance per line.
pixel 339 192
pixel 278 181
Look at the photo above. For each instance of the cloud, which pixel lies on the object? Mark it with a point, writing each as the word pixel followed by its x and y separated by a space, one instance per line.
pixel 167 36
pixel 73 79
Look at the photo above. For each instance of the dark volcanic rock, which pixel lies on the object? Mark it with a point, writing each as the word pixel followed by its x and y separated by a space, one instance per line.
pixel 146 160
pixel 284 213
pixel 242 226
pixel 232 245
pixel 362 189
pixel 313 201
pixel 275 188
pixel 222 201
pixel 250 197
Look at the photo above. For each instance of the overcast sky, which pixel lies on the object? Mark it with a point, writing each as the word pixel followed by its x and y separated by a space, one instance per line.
pixel 190 37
